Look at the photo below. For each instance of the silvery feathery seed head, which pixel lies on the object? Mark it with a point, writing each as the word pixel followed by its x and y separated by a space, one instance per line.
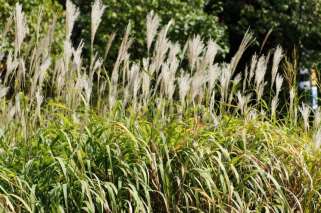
pixel 21 74
pixel 260 90
pixel 195 48
pixel 86 84
pixel 97 64
pixel 317 139
pixel 274 106
pixel 146 80
pixel 72 14
pixel 174 49
pixel 237 79
pixel 60 67
pixel 216 119
pixel 279 82
pixel 245 79
pixel 277 57
pixel 146 63
pixel 122 56
pixel 43 68
pixel 67 52
pixel 134 82
pixel 197 82
pixel 102 87
pixel 173 66
pixel 17 104
pixel 136 85
pixel 12 64
pixel 241 101
pixel 39 75
pixel 39 100
pixel 97 12
pixel 292 96
pixel 134 74
pixel 225 78
pixel 235 82
pixel 317 118
pixel 212 102
pixel 128 89
pixel 77 54
pixel 152 25
pixel 168 78
pixel 305 112
pixel 2 55
pixel 252 67
pixel 213 75
pixel 21 26
pixel 45 65
pixel 161 47
pixel 252 115
pixel 246 42
pixel 211 52
pixel 3 91
pixel 184 83
pixel 260 70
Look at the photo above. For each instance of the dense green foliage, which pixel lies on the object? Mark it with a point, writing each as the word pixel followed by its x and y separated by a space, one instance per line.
pixel 189 19
pixel 294 23
pixel 114 163
pixel 31 7
pixel 46 12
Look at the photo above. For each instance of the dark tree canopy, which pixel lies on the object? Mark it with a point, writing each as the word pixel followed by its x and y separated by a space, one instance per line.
pixel 294 23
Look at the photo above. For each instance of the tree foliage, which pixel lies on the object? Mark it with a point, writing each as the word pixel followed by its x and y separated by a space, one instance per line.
pixel 294 23
pixel 189 18
pixel 44 11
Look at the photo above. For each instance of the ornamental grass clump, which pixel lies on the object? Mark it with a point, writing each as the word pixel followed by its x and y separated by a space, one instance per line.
pixel 174 131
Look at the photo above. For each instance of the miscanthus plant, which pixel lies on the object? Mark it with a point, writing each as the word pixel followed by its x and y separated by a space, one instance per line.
pixel 172 132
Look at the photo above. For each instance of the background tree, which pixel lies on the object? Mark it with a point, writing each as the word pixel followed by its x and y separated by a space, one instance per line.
pixel 294 23
pixel 189 18
pixel 45 11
